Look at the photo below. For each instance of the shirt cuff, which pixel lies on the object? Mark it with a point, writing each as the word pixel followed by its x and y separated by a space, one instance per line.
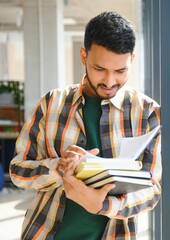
pixel 110 207
pixel 54 171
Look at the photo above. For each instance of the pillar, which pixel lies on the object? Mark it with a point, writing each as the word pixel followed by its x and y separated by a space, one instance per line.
pixel 44 49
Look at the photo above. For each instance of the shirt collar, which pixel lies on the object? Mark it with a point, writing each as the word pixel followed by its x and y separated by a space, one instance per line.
pixel 78 96
pixel 117 100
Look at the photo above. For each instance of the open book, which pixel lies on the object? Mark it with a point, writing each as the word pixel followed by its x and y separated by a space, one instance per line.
pixel 130 150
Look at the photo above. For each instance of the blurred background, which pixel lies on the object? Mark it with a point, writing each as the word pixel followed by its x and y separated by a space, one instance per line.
pixel 39 51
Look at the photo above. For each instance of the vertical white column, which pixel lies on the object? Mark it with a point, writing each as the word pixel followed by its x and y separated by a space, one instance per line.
pixel 44 49
pixel 3 56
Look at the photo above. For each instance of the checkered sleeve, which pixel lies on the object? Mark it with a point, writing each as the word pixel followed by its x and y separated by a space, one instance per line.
pixel 33 167
pixel 132 204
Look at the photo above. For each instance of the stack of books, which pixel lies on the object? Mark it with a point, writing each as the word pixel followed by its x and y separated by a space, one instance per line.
pixel 125 181
pixel 125 170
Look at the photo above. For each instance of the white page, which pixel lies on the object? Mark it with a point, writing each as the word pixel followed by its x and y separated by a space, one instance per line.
pixel 90 158
pixel 132 147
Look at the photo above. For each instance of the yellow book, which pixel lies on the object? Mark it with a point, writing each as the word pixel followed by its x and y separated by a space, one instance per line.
pixel 86 170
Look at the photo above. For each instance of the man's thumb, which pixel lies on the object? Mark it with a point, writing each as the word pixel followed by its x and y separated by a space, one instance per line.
pixel 94 151
pixel 108 187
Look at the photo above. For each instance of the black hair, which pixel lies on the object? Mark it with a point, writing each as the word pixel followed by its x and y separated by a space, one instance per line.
pixel 112 31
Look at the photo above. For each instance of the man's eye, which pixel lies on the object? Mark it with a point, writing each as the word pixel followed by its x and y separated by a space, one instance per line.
pixel 121 71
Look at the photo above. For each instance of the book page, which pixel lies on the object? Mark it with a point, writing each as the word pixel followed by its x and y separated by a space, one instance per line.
pixel 132 147
pixel 90 158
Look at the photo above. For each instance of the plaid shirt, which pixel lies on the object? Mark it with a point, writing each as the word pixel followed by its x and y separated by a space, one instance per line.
pixel 57 122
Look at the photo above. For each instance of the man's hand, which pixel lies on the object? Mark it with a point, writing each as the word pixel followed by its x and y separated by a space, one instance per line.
pixel 73 154
pixel 89 198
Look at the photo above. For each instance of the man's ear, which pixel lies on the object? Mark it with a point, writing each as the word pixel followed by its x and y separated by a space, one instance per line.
pixel 83 56
pixel 132 56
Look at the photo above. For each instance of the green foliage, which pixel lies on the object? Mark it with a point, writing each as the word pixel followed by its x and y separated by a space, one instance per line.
pixel 16 88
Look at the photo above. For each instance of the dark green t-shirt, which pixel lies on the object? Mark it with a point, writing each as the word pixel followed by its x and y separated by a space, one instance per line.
pixel 91 116
pixel 78 224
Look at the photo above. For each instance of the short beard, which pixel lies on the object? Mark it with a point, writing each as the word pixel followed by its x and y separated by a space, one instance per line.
pixel 91 85
pixel 95 89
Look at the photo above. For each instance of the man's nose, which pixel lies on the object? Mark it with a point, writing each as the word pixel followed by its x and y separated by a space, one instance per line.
pixel 110 80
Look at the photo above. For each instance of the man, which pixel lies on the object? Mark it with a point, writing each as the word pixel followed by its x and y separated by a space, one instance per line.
pixel 93 116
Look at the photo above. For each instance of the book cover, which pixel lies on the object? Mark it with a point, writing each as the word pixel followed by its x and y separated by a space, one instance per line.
pixel 120 173
pixel 123 185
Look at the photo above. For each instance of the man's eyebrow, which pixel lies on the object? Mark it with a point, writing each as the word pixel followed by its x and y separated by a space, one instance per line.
pixel 120 69
pixel 96 65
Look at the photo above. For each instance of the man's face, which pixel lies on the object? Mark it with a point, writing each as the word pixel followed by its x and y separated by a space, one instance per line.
pixel 106 71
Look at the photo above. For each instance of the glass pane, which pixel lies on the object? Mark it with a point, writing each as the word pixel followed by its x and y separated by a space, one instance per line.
pixel 76 14
pixel 11 56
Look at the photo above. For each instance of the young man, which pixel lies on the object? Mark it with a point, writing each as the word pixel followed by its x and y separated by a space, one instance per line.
pixel 93 116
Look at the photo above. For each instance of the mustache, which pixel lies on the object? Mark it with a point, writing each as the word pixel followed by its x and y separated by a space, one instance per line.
pixel 105 86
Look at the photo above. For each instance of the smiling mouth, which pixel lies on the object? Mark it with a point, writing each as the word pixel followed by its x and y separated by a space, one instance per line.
pixel 105 88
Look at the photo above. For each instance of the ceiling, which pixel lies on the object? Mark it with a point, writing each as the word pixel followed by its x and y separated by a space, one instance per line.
pixel 79 11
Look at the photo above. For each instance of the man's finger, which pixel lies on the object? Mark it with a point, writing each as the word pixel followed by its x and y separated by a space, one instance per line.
pixel 76 149
pixel 108 187
pixel 94 151
pixel 69 170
